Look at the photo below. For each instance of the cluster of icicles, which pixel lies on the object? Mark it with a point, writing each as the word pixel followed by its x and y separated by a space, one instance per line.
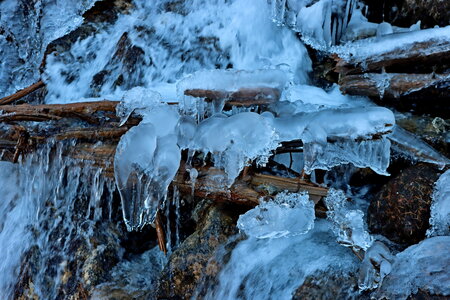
pixel 148 155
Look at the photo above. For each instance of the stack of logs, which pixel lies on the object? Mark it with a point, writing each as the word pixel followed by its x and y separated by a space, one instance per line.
pixel 411 71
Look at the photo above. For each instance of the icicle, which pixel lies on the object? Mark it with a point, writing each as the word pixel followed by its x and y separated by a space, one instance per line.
pixel 176 202
pixel 407 144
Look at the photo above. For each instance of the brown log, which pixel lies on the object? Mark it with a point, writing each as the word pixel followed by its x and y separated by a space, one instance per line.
pixel 390 85
pixel 22 93
pixel 290 184
pixel 242 97
pixel 62 110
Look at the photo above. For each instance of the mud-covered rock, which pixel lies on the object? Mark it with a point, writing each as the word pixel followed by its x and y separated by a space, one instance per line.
pixel 401 209
pixel 190 263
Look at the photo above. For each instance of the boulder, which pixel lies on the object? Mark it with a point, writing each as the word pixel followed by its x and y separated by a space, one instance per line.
pixel 192 262
pixel 401 209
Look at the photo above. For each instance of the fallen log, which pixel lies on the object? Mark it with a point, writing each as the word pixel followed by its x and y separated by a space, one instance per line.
pixel 433 52
pixel 22 93
pixel 243 97
pixel 391 85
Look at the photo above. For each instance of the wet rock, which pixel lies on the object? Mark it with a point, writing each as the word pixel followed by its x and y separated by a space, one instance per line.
pixel 424 295
pixel 433 130
pixel 328 285
pixel 189 264
pixel 125 68
pixel 405 13
pixel 401 209
pixel 429 12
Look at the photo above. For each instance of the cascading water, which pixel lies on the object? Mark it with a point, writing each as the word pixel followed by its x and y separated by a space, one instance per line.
pixel 51 205
pixel 152 52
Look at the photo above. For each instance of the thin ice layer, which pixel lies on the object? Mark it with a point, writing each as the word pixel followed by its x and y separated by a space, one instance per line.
pixel 146 161
pixel 424 266
pixel 288 214
pixel 440 207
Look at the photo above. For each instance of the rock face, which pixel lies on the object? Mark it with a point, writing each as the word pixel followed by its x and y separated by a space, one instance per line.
pixel 405 13
pixel 401 210
pixel 327 285
pixel 430 12
pixel 190 263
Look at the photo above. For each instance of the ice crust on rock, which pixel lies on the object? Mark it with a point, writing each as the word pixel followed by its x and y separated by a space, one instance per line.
pixel 424 266
pixel 348 224
pixel 288 214
pixel 440 207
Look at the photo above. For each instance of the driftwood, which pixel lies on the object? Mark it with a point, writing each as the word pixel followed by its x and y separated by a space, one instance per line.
pixel 429 53
pixel 412 70
pixel 242 97
pixel 96 143
pixel 22 93
pixel 391 85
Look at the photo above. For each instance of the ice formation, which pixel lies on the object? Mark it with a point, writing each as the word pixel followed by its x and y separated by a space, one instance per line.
pixel 232 80
pixel 349 127
pixel 288 214
pixel 322 23
pixel 440 207
pixel 376 265
pixel 146 161
pixel 274 268
pixel 359 51
pixel 348 224
pixel 407 144
pixel 424 266
pixel 235 141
